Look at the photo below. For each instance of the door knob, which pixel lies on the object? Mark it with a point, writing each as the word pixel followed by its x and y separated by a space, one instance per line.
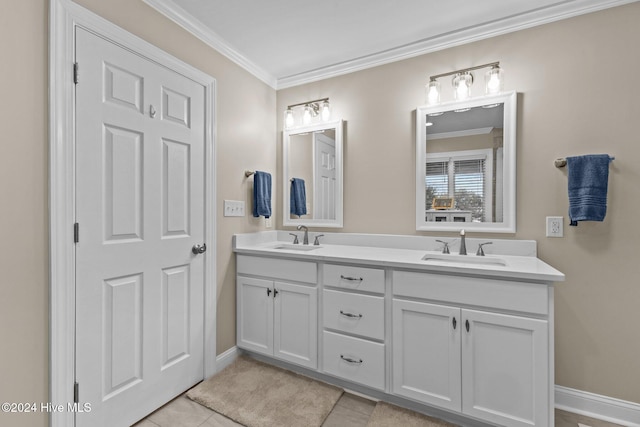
pixel 198 249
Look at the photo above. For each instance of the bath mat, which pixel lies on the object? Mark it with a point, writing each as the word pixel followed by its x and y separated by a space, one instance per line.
pixel 255 394
pixel 386 415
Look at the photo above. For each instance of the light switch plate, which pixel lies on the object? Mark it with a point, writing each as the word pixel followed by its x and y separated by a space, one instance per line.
pixel 233 208
pixel 554 226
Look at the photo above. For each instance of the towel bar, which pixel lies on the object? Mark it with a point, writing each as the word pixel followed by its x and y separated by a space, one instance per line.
pixel 562 162
pixel 247 174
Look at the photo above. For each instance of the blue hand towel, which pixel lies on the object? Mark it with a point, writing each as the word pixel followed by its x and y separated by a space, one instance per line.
pixel 298 199
pixel 262 194
pixel 588 183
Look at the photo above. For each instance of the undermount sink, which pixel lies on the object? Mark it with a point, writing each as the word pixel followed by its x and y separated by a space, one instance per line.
pixel 464 259
pixel 292 247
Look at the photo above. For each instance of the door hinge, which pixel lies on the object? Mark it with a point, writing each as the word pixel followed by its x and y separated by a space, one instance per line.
pixel 76 393
pixel 75 72
pixel 76 232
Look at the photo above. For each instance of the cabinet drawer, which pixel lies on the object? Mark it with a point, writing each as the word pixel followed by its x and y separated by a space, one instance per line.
pixel 299 271
pixel 360 278
pixel 354 313
pixel 500 294
pixel 354 359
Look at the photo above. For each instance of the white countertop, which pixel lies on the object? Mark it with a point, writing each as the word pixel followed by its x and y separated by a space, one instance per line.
pixel 406 252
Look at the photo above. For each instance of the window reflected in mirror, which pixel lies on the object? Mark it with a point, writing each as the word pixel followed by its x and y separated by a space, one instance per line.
pixel 460 164
pixel 466 170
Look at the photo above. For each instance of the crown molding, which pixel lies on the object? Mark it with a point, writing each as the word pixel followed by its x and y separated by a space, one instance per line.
pixel 564 10
pixel 187 21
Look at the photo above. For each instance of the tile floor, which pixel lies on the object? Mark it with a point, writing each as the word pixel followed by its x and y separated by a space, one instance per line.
pixel 350 411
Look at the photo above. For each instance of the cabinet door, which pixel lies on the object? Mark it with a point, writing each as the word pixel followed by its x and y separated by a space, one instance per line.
pixel 426 353
pixel 296 324
pixel 255 314
pixel 505 368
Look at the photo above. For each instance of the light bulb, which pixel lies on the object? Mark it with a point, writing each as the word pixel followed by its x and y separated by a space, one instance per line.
pixel 462 90
pixel 433 92
pixel 462 84
pixel 326 111
pixel 288 118
pixel 306 116
pixel 494 80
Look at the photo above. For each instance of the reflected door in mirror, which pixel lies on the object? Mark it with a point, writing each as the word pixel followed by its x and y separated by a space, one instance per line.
pixel 312 159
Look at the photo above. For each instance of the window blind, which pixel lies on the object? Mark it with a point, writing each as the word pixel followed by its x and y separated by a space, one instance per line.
pixel 463 179
pixel 469 186
pixel 438 177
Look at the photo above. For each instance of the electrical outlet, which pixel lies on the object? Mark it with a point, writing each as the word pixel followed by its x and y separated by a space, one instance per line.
pixel 554 226
pixel 233 208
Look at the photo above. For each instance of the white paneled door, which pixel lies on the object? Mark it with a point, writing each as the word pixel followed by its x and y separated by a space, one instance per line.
pixel 140 209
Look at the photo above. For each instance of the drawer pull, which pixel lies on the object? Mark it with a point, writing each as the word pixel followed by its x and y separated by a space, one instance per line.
pixel 350 360
pixel 351 315
pixel 353 279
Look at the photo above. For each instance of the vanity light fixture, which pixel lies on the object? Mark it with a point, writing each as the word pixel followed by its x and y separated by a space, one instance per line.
pixel 463 80
pixel 318 109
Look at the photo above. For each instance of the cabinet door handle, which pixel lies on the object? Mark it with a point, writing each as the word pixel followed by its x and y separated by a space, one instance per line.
pixel 350 360
pixel 353 279
pixel 455 323
pixel 466 324
pixel 275 292
pixel 351 315
pixel 268 291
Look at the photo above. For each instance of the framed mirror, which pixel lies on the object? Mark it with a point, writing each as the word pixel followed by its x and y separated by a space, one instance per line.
pixel 466 156
pixel 312 175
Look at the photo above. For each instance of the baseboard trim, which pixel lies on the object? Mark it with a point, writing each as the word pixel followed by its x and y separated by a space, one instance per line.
pixel 597 406
pixel 226 358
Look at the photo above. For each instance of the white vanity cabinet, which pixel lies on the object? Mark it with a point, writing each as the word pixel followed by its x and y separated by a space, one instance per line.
pixel 458 344
pixel 467 339
pixel 277 308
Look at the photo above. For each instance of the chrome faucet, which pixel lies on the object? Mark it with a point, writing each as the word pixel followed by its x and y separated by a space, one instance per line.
pixel 463 245
pixel 305 239
pixel 445 248
pixel 480 251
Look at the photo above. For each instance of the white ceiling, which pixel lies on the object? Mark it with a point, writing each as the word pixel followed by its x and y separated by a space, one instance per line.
pixel 289 42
